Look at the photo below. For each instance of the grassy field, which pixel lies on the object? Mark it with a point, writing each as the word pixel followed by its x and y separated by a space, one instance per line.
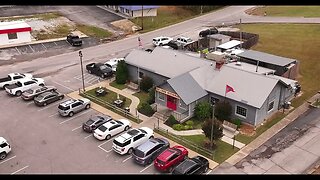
pixel 93 31
pixel 118 86
pixel 143 97
pixel 289 11
pixel 295 41
pixel 45 17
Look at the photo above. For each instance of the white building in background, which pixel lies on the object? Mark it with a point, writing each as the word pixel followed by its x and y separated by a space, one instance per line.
pixel 135 11
pixel 14 32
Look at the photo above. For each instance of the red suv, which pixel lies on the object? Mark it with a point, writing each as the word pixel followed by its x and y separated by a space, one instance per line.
pixel 169 158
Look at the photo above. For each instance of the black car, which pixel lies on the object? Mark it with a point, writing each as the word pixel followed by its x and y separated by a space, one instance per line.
pixel 99 69
pixel 47 98
pixel 94 122
pixel 195 165
pixel 207 32
pixel 74 40
pixel 173 44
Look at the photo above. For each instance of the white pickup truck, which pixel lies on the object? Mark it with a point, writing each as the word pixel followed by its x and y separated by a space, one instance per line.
pixel 13 78
pixel 22 85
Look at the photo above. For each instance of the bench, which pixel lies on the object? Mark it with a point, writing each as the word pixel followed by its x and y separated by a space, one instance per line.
pixel 132 86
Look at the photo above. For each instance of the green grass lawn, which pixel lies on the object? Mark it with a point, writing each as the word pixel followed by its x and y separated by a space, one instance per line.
pixel 118 86
pixel 297 41
pixel 289 11
pixel 223 151
pixel 143 96
pixel 93 31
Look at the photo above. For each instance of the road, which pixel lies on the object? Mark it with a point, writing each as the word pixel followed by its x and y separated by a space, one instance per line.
pixel 294 150
pixel 63 70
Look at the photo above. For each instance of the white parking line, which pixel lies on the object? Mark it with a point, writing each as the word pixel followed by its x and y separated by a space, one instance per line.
pixel 146 167
pixel 126 159
pixel 54 104
pixel 209 172
pixel 30 102
pixel 88 136
pixel 76 128
pixel 53 114
pixel 7 159
pixel 75 116
pixel 63 86
pixel 109 150
pixel 19 169
pixel 104 149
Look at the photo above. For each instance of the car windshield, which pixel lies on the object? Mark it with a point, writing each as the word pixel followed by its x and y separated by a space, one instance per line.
pixel 102 128
pixel 138 153
pixel 29 91
pixel 103 67
pixel 119 122
pixel 143 131
pixel 118 143
pixel 160 162
pixel 89 122
pixel 156 40
pixel 19 84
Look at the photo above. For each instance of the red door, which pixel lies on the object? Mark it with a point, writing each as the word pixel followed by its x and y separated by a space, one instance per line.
pixel 171 102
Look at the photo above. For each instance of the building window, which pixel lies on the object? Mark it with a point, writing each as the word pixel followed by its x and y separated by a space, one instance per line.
pixel 271 105
pixel 127 11
pixel 140 74
pixel 182 105
pixel 213 100
pixel 161 96
pixel 241 111
pixel 12 36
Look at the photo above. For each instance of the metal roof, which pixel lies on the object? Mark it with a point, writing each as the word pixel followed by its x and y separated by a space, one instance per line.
pixel 187 88
pixel 13 25
pixel 135 8
pixel 218 36
pixel 229 44
pixel 166 62
pixel 265 57
pixel 250 67
pixel 250 88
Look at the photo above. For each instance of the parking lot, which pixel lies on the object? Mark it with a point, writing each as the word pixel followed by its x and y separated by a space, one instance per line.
pixel 44 142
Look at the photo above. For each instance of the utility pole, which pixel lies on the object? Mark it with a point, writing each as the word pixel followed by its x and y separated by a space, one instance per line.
pixel 201 9
pixel 80 55
pixel 141 17
pixel 240 35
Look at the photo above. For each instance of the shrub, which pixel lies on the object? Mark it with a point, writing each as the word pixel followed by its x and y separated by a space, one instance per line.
pixel 189 122
pixel 146 83
pixel 146 109
pixel 237 122
pixel 223 110
pixel 178 127
pixel 203 110
pixel 171 121
pixel 121 72
pixel 188 127
pixel 151 98
pixel 217 129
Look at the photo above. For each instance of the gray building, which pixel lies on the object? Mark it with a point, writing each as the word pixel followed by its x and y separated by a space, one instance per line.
pixel 182 81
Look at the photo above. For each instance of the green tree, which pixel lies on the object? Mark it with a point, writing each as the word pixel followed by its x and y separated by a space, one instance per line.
pixel 217 129
pixel 151 98
pixel 122 72
pixel 203 110
pixel 146 83
pixel 146 109
pixel 223 110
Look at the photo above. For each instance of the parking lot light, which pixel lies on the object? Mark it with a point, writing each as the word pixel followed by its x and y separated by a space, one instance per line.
pixel 80 55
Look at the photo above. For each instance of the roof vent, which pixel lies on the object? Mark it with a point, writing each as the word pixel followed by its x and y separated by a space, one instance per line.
pixel 238 63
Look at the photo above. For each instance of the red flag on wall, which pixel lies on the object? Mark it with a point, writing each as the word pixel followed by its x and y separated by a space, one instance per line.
pixel 229 88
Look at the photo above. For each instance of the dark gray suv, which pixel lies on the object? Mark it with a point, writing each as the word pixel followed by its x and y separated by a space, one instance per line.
pixel 94 122
pixel 147 152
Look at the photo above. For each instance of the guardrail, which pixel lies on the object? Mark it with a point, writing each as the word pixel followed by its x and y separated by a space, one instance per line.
pixel 207 153
pixel 110 106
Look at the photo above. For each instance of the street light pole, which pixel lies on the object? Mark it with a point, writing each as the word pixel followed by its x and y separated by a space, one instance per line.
pixel 80 55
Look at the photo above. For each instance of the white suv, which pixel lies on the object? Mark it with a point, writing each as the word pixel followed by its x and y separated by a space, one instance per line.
pixel 162 40
pixel 112 63
pixel 4 148
pixel 125 143
pixel 72 106
pixel 184 40
pixel 23 84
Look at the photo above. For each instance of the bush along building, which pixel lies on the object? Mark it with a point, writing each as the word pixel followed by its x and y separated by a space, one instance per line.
pixel 182 81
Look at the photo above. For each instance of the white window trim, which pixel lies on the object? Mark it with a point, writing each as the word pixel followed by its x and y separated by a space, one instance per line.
pixel 269 105
pixel 240 114
pixel 163 96
pixel 181 106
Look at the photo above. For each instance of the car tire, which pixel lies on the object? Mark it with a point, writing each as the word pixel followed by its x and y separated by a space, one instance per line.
pixel 18 93
pixel 126 128
pixel 130 151
pixel 71 114
pixel 108 137
pixel 89 72
pixel 3 155
pixel 87 106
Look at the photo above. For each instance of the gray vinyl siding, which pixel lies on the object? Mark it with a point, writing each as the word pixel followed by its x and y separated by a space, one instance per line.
pixel 133 75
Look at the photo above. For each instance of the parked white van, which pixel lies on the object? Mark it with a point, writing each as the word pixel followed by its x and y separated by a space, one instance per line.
pixel 4 148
